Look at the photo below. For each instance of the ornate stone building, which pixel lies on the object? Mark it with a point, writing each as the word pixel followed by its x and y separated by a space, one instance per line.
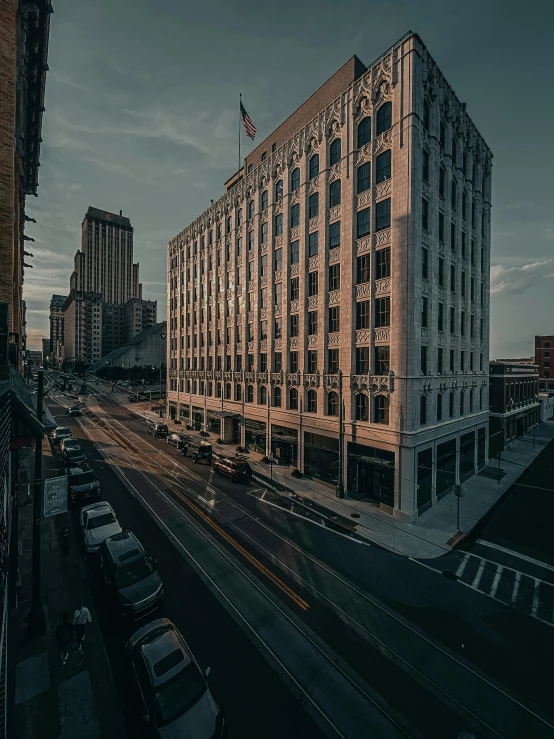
pixel 333 306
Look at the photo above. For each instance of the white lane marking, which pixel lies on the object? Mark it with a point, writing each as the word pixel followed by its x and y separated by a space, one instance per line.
pixel 535 606
pixel 496 580
pixel 513 553
pixel 516 586
pixel 477 578
pixel 463 565
pixel 423 564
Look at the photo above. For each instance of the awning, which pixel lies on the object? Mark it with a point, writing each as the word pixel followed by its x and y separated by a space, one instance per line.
pixel 223 414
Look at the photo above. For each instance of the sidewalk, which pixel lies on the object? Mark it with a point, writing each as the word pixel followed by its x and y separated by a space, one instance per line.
pixel 429 535
pixel 55 701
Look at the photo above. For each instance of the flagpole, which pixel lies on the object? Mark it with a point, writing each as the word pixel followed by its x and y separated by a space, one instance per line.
pixel 240 102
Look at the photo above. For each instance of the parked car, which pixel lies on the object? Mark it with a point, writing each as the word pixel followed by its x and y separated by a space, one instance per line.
pixel 200 451
pixel 74 458
pixel 82 486
pixel 235 470
pixel 157 429
pixel 173 688
pixel 97 521
pixel 73 410
pixel 70 443
pixel 60 432
pixel 131 575
pixel 178 439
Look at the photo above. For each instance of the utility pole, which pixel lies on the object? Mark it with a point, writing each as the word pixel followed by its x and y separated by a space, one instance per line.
pixel 161 406
pixel 340 488
pixel 36 620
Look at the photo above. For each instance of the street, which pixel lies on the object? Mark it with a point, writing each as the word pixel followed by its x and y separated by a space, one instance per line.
pixel 295 561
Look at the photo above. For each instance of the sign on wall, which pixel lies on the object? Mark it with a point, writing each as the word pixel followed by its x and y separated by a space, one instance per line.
pixel 55 496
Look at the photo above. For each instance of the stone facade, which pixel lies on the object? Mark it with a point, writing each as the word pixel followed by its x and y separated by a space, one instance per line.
pixel 324 309
pixel 57 308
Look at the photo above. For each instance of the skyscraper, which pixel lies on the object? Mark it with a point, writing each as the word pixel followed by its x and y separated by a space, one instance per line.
pixel 332 308
pixel 57 307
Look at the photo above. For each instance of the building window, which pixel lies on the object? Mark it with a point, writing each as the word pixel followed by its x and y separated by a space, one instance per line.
pixel 383 167
pixel 334 234
pixel 425 165
pixel 440 317
pixel 423 410
pixel 250 168
pixel 313 205
pixel 293 362
pixel 362 407
pixel 453 195
pixel 263 396
pixel 312 322
pixel 250 240
pixel 363 269
pixel 381 409
pixel 425 263
pixel 382 360
pixel 335 152
pixel 334 319
pixel 441 272
pixel 294 288
pixel 265 199
pixel 263 233
pixel 382 219
pixel 426 115
pixel 295 252
pixel 451 405
pixel 333 364
pixel 295 179
pixel 425 214
pixel 384 118
pixel 333 404
pixel 364 132
pixel 312 283
pixel 424 312
pixel 295 215
pixel 462 402
pixel 439 407
pixel 382 263
pixel 293 399
pixel 362 360
pixel 277 362
pixel 423 359
pixel 263 362
pixel 279 190
pixel 442 134
pixel 278 259
pixel 363 314
pixel 228 391
pixel 263 268
pixel 250 394
pixel 314 166
pixel 382 312
pixel 294 325
pixel 334 193
pixel 334 277
pixel 250 210
pixel 278 224
pixel 441 227
pixel 312 401
pixel 312 361
pixel 313 244
pixel 363 222
pixel 277 397
pixel 273 148
pixel 264 156
pixel 364 177
pixel 440 353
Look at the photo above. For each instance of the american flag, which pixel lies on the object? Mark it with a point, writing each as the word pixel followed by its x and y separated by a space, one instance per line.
pixel 249 127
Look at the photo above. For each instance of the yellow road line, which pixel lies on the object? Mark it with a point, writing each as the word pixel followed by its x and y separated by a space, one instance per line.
pixel 258 565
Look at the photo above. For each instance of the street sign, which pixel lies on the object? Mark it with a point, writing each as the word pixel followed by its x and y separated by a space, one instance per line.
pixel 161 401
pixel 55 496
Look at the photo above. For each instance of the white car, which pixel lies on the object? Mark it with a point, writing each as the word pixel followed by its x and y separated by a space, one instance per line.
pixel 70 443
pixel 98 521
pixel 61 432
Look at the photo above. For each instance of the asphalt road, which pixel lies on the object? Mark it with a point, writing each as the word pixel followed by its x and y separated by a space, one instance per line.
pixel 458 617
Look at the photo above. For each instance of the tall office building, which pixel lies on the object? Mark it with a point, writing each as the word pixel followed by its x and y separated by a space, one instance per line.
pixel 544 351
pixel 103 282
pixel 57 307
pixel 333 306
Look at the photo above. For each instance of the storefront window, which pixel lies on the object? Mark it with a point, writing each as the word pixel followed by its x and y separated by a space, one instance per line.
pixel 321 457
pixel 371 473
pixel 481 450
pixel 467 455
pixel 255 433
pixel 446 467
pixel 424 479
pixel 284 444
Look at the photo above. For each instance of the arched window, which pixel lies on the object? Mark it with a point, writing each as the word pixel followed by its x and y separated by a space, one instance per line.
pixel 383 167
pixel 295 179
pixel 439 407
pixel 313 205
pixel 384 118
pixel 381 409
pixel 364 177
pixel 250 209
pixel 279 190
pixel 312 401
pixel 293 399
pixel 250 394
pixel 426 114
pixel 314 166
pixel 334 152
pixel 423 410
pixel 277 397
pixel 462 402
pixel 263 396
pixel 333 404
pixel 364 132
pixel 265 199
pixel 295 215
pixel 228 391
pixel 229 224
pixel 334 193
pixel 442 134
pixel 362 407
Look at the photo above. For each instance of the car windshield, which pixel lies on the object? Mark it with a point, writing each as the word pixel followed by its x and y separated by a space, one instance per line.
pixel 205 449
pixel 74 453
pixel 98 521
pixel 179 695
pixel 133 572
pixel 61 431
pixel 85 479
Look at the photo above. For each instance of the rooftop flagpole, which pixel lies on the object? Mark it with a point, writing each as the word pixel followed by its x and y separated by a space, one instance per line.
pixel 240 103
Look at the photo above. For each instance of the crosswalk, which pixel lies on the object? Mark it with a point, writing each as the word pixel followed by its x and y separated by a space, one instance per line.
pixel 527 594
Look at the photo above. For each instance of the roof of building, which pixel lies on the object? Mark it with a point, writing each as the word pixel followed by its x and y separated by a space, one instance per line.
pixel 116 353
pixel 105 215
pixel 58 298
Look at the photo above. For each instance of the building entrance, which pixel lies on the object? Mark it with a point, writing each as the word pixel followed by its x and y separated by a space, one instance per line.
pixel 371 473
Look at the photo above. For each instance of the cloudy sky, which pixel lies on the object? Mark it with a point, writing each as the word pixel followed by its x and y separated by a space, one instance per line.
pixel 141 115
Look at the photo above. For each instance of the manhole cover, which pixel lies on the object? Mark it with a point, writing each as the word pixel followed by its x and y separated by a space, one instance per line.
pixel 355 515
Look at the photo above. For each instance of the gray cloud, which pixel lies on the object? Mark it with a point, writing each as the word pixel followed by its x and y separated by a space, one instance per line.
pixel 518 279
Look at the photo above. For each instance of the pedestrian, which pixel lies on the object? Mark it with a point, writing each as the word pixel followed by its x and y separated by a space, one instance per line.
pixel 81 618
pixel 64 636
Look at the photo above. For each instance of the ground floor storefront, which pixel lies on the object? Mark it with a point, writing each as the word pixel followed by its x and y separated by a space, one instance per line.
pixel 505 428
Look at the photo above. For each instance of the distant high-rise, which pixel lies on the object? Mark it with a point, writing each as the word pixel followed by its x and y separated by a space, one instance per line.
pixel 57 306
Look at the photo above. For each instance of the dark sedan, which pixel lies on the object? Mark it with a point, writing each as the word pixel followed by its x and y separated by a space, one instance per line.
pixel 74 458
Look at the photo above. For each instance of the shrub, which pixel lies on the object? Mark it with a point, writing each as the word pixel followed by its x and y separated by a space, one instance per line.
pixel 218 440
pixel 296 473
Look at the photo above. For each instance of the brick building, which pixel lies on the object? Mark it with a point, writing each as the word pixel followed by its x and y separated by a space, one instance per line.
pixel 139 315
pixel 544 358
pixel 513 402
pixel 57 308
pixel 333 306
